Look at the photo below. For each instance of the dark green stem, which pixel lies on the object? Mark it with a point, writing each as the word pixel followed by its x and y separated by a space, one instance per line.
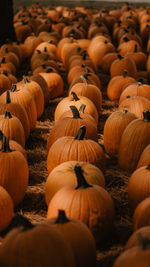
pixel 75 97
pixel 146 115
pixel 8 100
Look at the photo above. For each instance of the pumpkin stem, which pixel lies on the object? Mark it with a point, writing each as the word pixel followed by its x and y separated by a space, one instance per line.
pixel 119 56
pixel 135 48
pixel 125 73
pixel 49 70
pixel 84 55
pixel 20 220
pixel 144 241
pixel 8 100
pixel 75 97
pixel 81 182
pixel 125 110
pixel 146 115
pixel 5 144
pixel 13 87
pixel 81 133
pixel 148 167
pixel 84 79
pixel 82 108
pixel 62 218
pixel 7 115
pixel 50 41
pixel 75 112
pixel 25 79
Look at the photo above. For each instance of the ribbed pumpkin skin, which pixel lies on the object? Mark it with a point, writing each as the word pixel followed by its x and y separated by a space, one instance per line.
pixel 13 129
pixel 64 104
pixel 139 186
pixel 136 89
pixel 36 92
pixel 19 111
pixel 6 208
pixel 64 174
pixel 135 104
pixel 14 174
pixel 134 139
pixel 114 128
pixel 145 157
pixel 80 239
pixel 90 91
pixel 43 244
pixel 97 213
pixel 68 126
pixel 15 146
pixel 67 148
pixel 24 98
pixel 116 86
pixel 141 216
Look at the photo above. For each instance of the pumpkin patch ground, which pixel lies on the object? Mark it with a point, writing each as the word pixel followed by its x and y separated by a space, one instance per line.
pixel 34 205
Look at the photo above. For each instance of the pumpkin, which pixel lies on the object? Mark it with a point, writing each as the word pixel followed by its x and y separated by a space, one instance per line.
pixel 64 174
pixel 141 216
pixel 138 186
pixel 54 82
pixel 97 213
pixel 135 138
pixel 6 209
pixel 123 63
pixel 16 110
pixel 90 91
pixel 135 256
pixel 135 89
pixel 82 113
pixel 114 128
pixel 78 236
pixel 116 85
pixel 12 128
pixel 75 148
pixel 43 84
pixel 134 238
pixel 73 99
pixel 145 157
pixel 68 126
pixel 14 172
pixel 36 91
pixel 49 244
pixel 24 98
pixel 135 104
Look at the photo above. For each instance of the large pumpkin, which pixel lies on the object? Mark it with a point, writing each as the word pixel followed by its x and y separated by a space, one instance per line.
pixel 75 148
pixel 77 234
pixel 114 128
pixel 64 174
pixel 97 213
pixel 134 139
pixel 40 245
pixel 68 126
